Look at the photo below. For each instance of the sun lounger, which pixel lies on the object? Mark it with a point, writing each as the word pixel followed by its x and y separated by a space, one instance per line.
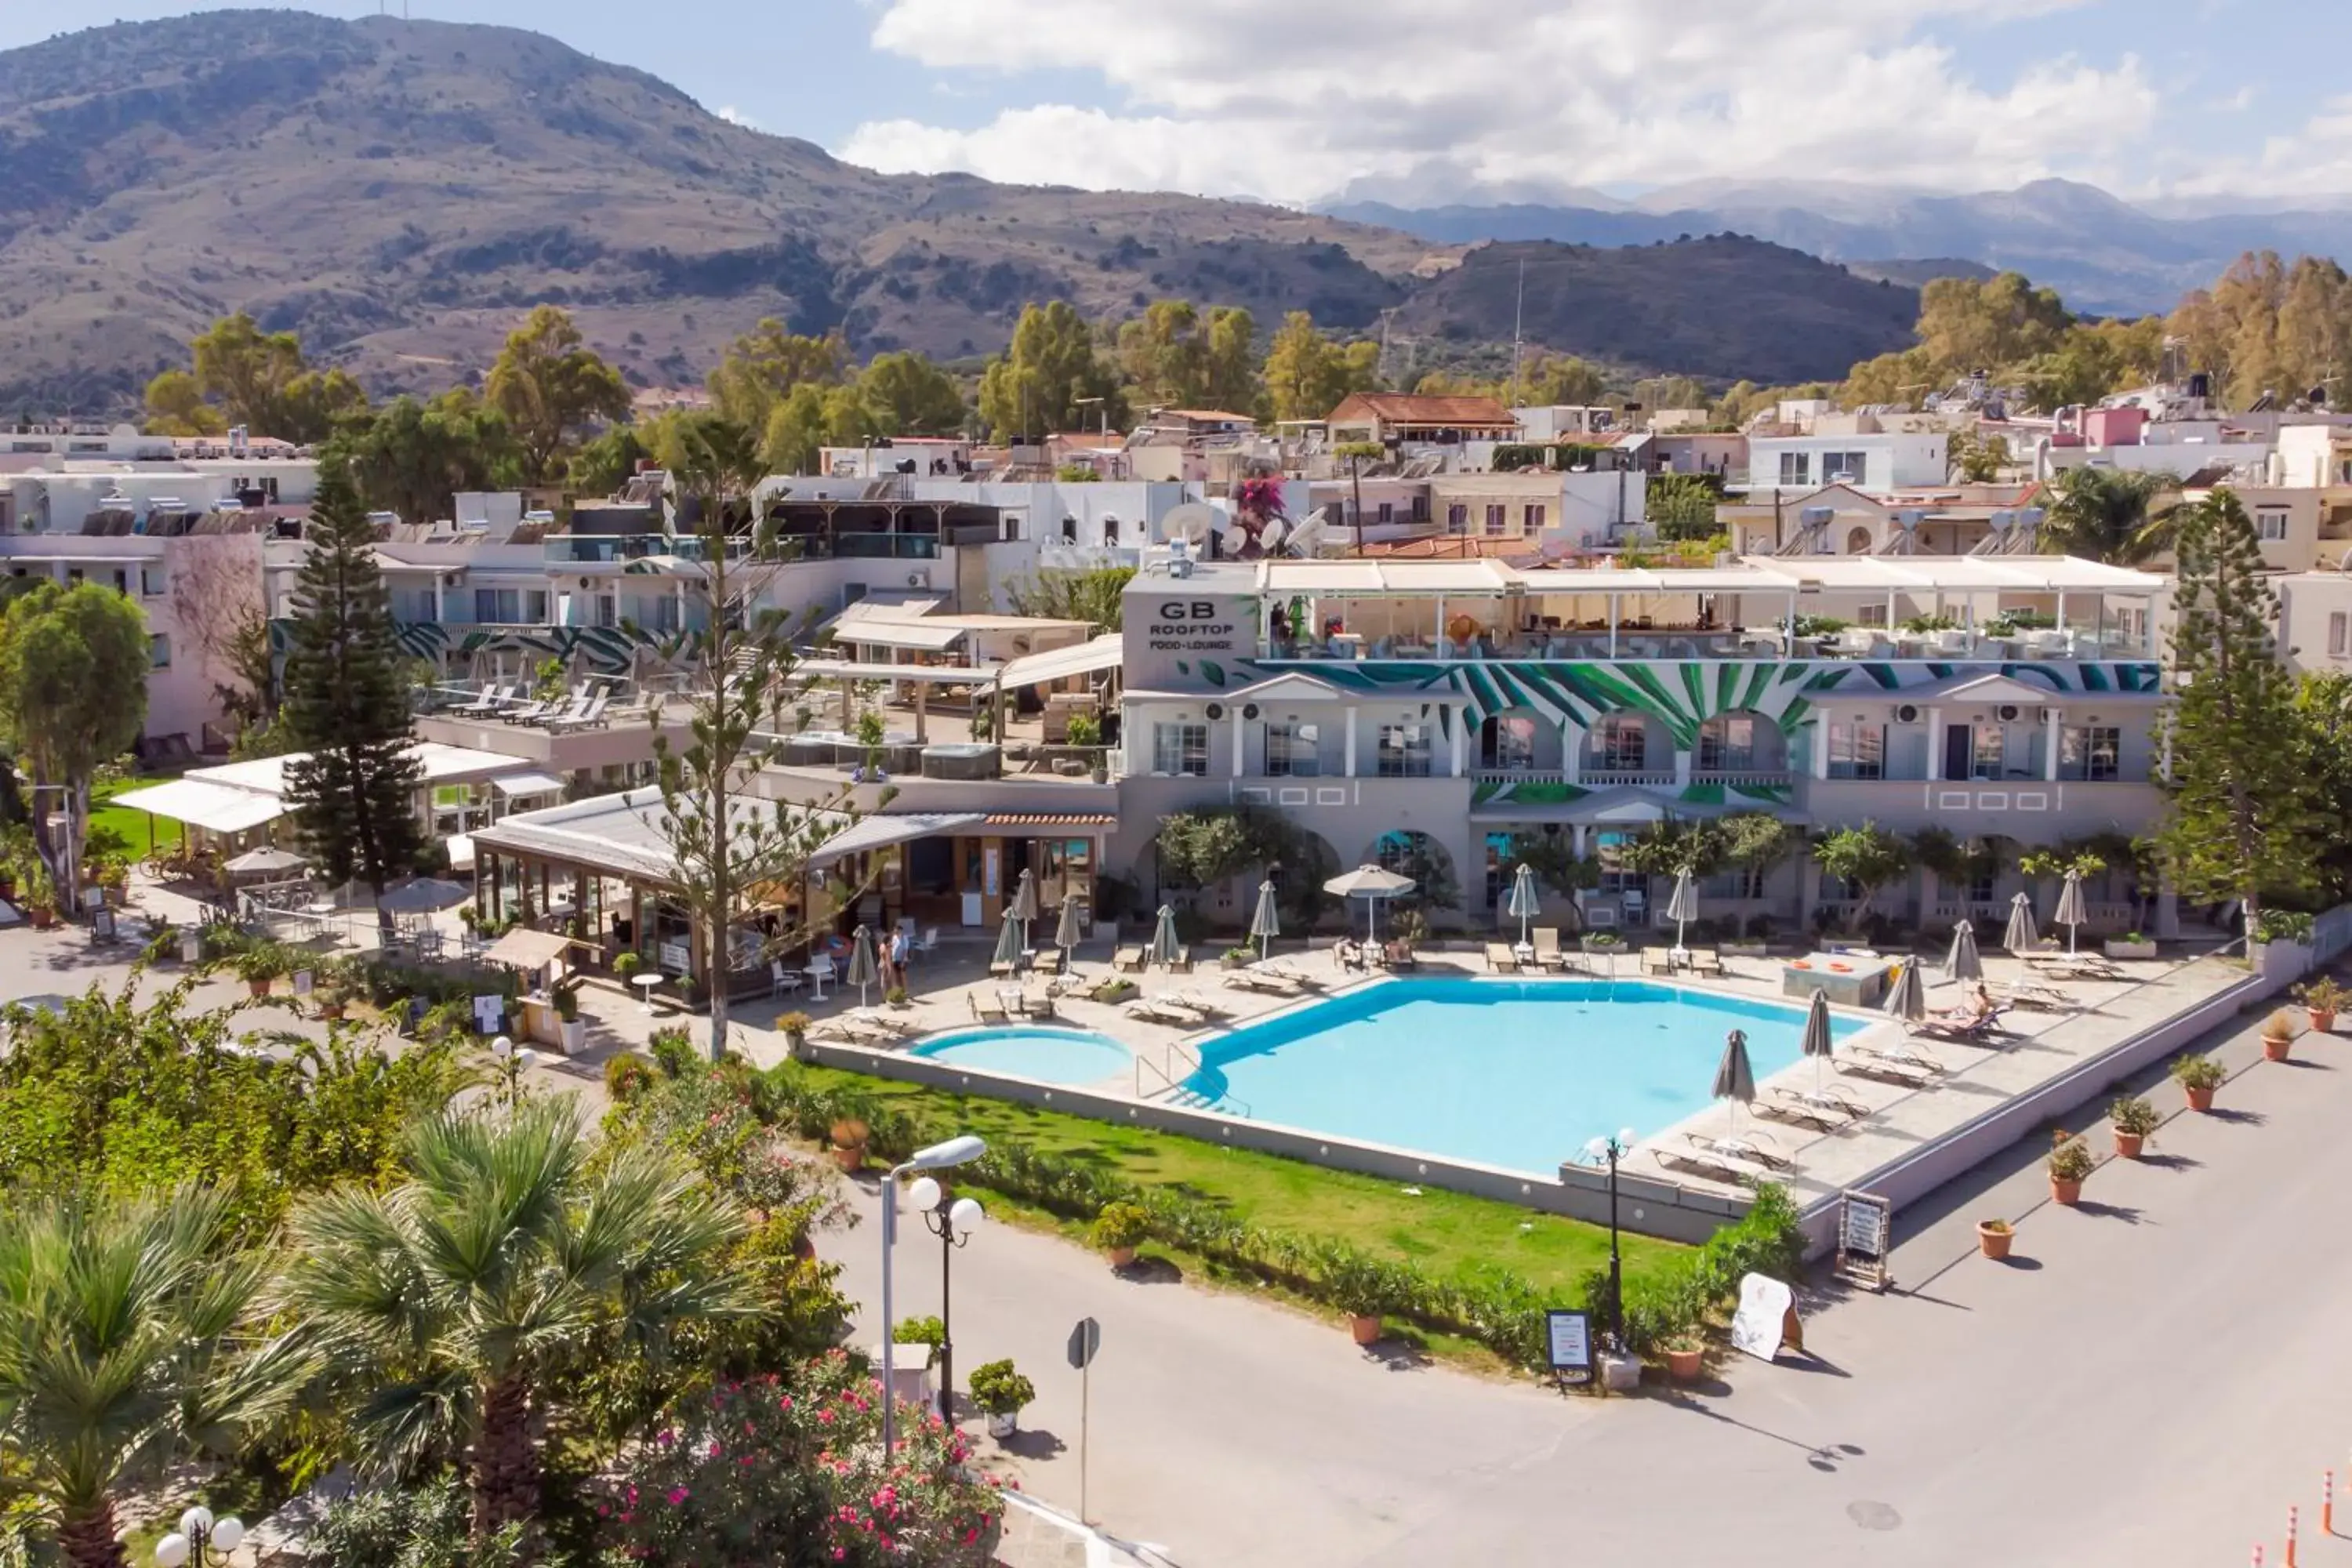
pixel 1151 1010
pixel 1001 968
pixel 866 1018
pixel 1051 961
pixel 1260 981
pixel 534 709
pixel 590 717
pixel 1755 1149
pixel 1281 969
pixel 1500 959
pixel 1824 1107
pixel 1182 963
pixel 1548 953
pixel 1706 961
pixel 492 698
pixel 1128 958
pixel 2047 998
pixel 1197 1003
pixel 1398 955
pixel 2074 966
pixel 1970 1029
pixel 1658 961
pixel 1718 1167
pixel 1898 1059
pixel 989 1012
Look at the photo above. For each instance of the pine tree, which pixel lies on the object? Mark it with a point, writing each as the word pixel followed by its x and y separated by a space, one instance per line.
pixel 353 792
pixel 2239 819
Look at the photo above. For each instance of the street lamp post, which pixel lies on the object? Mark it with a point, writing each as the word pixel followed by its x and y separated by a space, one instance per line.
pixel 938 1157
pixel 1613 1149
pixel 510 1066
pixel 201 1539
pixel 953 1220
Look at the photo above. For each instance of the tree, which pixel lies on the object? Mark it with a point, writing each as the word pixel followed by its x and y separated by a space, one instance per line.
pixel 1308 374
pixel 2237 821
pixel 1899 380
pixel 176 406
pixel 128 1343
pixel 2267 327
pixel 549 384
pixel 1991 324
pixel 760 369
pixel 261 381
pixel 1091 595
pixel 73 697
pixel 1548 380
pixel 2113 515
pixel 604 465
pixel 794 432
pixel 352 794
pixel 1682 505
pixel 1975 457
pixel 2323 711
pixel 1037 386
pixel 1866 859
pixel 730 844
pixel 462 1310
pixel 914 396
pixel 1230 361
pixel 413 457
pixel 1165 355
pixel 1670 848
pixel 217 598
pixel 1553 858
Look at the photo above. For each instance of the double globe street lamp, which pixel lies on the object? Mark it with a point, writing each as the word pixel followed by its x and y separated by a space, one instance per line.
pixel 953 1220
pixel 938 1157
pixel 201 1539
pixel 1609 1150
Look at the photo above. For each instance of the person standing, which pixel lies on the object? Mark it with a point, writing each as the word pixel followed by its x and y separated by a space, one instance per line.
pixel 900 951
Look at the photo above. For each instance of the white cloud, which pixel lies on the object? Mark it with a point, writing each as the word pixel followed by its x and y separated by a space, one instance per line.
pixel 734 116
pixel 2314 160
pixel 1300 101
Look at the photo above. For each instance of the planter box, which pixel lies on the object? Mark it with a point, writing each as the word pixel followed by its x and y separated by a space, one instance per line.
pixel 575 1036
pixel 1742 949
pixel 2131 950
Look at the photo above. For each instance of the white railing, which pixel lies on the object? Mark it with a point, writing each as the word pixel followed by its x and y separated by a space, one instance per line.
pixel 1741 776
pixel 1519 775
pixel 1176 1064
pixel 1628 776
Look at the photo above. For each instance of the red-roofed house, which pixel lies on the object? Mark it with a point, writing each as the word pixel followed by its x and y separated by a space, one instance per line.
pixel 1386 417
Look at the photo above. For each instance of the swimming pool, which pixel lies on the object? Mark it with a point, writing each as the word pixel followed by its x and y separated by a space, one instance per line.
pixel 1034 1051
pixel 1520 1073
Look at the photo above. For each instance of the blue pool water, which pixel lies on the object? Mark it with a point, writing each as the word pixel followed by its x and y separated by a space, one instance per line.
pixel 1520 1073
pixel 1050 1056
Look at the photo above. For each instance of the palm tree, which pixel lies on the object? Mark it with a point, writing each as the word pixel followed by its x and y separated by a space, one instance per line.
pixel 127 1341
pixel 462 1305
pixel 2111 515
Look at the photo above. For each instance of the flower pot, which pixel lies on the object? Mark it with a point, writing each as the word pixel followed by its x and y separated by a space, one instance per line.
pixel 42 917
pixel 258 987
pixel 2127 1144
pixel 1120 1257
pixel 2131 950
pixel 1003 1426
pixel 1994 1244
pixel 850 1157
pixel 2275 1047
pixel 331 1009
pixel 1365 1330
pixel 2321 1023
pixel 575 1036
pixel 2199 1099
pixel 2067 1193
pixel 1681 1364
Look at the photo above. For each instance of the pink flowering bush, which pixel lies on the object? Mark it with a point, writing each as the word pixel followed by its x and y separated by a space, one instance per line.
pixel 788 1473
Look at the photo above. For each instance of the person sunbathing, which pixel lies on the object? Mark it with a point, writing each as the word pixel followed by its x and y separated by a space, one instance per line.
pixel 1975 1010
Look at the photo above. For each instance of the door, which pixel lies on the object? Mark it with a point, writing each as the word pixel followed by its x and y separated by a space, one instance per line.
pixel 1959 751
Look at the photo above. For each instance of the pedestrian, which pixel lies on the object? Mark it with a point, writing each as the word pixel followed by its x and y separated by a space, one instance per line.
pixel 900 951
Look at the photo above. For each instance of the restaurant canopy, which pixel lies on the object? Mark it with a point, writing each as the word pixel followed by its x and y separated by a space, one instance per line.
pixel 214 807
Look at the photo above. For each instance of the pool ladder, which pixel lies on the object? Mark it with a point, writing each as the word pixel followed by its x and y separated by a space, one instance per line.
pixel 1176 1067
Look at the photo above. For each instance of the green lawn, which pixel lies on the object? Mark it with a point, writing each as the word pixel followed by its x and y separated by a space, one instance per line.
pixel 130 821
pixel 1448 1233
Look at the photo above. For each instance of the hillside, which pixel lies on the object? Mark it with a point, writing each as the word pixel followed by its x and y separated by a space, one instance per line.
pixel 1721 308
pixel 400 193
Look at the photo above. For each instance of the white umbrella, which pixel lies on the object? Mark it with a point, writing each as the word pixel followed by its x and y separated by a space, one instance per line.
pixel 2020 937
pixel 2071 912
pixel 1818 1044
pixel 1371 883
pixel 1735 1077
pixel 1265 924
pixel 1526 902
pixel 1683 908
pixel 862 970
pixel 1963 962
pixel 269 858
pixel 1164 942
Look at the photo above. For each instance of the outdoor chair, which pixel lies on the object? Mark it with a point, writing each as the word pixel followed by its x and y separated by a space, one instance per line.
pixel 1548 953
pixel 1706 961
pixel 1501 959
pixel 989 1012
pixel 1182 963
pixel 782 981
pixel 1398 955
pixel 1051 961
pixel 1658 961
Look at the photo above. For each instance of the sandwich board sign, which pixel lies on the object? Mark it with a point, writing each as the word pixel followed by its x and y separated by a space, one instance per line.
pixel 1567 1340
pixel 1865 1226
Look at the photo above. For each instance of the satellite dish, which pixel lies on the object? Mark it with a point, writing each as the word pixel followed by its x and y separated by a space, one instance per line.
pixel 1270 537
pixel 1190 524
pixel 1306 532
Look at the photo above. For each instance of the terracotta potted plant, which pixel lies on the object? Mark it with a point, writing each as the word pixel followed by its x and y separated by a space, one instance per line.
pixel 38 893
pixel 1993 1238
pixel 1683 1357
pixel 2199 1076
pixel 259 965
pixel 2132 1119
pixel 1364 1288
pixel 794 1028
pixel 2278 1035
pixel 1000 1392
pixel 2323 998
pixel 853 1125
pixel 1118 1230
pixel 2070 1161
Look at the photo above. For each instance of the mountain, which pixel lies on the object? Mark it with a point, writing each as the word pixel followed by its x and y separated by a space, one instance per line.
pixel 1719 308
pixel 2103 254
pixel 401 192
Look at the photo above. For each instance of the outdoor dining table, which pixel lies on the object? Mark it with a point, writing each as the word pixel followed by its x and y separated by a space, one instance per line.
pixel 647 984
pixel 819 970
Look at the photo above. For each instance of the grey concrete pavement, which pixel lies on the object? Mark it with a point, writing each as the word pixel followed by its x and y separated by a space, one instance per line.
pixel 2152 1381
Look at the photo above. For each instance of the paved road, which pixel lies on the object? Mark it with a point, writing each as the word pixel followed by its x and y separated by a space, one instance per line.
pixel 2152 1381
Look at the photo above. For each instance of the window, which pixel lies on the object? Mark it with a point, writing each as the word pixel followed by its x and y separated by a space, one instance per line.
pixel 1849 464
pixel 2269 523
pixel 1621 743
pixel 1501 869
pixel 1405 752
pixel 608 611
pixel 1181 748
pixel 1420 506
pixel 2091 753
pixel 1458 518
pixel 159 651
pixel 1293 751
pixel 1387 513
pixel 1992 746
pixel 2336 640
pixel 1510 742
pixel 1532 519
pixel 535 606
pixel 123 581
pixel 1980 885
pixel 497 606
pixel 1857 751
pixel 1498 519
pixel 1607 849
pixel 1796 467
pixel 1726 744
pixel 151 582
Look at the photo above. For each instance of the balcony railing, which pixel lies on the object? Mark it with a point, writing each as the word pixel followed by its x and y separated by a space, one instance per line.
pixel 1643 777
pixel 1740 778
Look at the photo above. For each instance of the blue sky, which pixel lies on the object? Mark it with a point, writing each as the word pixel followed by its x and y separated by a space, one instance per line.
pixel 1305 100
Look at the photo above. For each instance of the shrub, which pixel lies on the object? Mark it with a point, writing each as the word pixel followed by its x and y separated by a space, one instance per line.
pixel 2133 1115
pixel 920 1332
pixel 673 1051
pixel 1000 1390
pixel 2281 1024
pixel 1121 1225
pixel 628 965
pixel 2322 995
pixel 2198 1072
pixel 795 1025
pixel 2070 1158
pixel 626 1076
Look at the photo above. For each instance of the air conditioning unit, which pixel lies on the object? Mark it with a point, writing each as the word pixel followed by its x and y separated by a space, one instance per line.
pixel 920 577
pixel 1249 709
pixel 1216 710
pixel 2008 712
pixel 1909 713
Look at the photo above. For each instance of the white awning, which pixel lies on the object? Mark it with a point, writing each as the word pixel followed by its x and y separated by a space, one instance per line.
pixel 529 783
pixel 217 808
pixel 524 948
pixel 927 636
pixel 1104 652
pixel 880 832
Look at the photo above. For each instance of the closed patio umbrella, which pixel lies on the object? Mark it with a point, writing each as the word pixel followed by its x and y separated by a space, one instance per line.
pixel 1908 998
pixel 1683 908
pixel 1963 962
pixel 1163 939
pixel 863 972
pixel 1735 1077
pixel 1070 927
pixel 1265 924
pixel 2072 911
pixel 1818 1044
pixel 1526 902
pixel 1008 942
pixel 1023 907
pixel 2020 936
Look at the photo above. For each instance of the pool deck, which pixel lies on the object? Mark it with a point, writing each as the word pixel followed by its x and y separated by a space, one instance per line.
pixel 2034 1047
